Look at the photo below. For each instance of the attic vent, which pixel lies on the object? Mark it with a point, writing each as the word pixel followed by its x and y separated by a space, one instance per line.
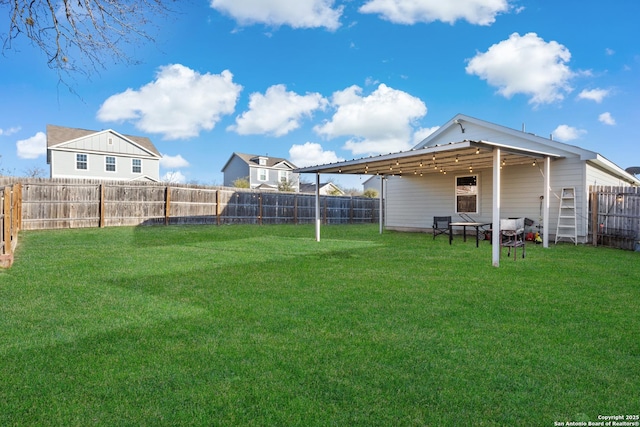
pixel 110 141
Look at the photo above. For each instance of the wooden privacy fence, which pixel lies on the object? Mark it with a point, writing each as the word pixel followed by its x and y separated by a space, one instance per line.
pixel 49 204
pixel 10 212
pixel 615 216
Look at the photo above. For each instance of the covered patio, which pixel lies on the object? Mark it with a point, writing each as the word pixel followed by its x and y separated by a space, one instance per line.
pixel 461 156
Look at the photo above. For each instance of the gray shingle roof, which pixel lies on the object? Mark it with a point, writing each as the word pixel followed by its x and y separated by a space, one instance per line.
pixel 271 161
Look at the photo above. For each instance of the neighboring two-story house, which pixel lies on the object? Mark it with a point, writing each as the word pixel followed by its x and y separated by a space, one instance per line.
pixel 106 154
pixel 262 172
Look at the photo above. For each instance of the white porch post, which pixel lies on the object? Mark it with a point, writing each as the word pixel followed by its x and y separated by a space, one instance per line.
pixel 381 215
pixel 317 206
pixel 546 202
pixel 495 234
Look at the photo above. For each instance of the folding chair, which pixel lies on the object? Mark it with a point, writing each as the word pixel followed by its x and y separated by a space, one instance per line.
pixel 441 226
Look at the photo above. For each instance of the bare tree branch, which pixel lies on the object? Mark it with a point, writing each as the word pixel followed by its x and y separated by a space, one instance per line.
pixel 80 36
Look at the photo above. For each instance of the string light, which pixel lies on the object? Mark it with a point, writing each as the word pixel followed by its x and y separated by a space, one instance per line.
pixel 456 158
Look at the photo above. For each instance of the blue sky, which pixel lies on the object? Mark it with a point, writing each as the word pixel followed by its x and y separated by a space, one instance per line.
pixel 316 81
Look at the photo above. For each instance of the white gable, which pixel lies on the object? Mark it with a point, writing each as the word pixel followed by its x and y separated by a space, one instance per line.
pixel 105 142
pixel 463 127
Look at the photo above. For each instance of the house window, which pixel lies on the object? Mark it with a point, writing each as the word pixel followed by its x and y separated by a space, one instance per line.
pixel 467 194
pixel 283 176
pixel 81 161
pixel 136 165
pixel 110 164
pixel 262 161
pixel 262 175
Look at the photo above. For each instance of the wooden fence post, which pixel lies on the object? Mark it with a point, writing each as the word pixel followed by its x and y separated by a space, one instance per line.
pixel 351 210
pixel 6 254
pixel 325 211
pixel 260 208
pixel 295 208
pixel 167 204
pixel 218 207
pixel 101 207
pixel 17 207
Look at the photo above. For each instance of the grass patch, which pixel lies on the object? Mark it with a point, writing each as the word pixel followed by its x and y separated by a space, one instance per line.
pixel 262 325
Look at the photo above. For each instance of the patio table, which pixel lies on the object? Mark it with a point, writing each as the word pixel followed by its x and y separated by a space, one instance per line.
pixel 464 226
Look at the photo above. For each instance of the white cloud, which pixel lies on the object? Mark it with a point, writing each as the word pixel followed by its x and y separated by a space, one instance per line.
pixel 10 131
pixel 607 119
pixel 527 65
pixel 297 14
pixel 277 112
pixel 173 162
pixel 609 51
pixel 174 177
pixel 480 12
pixel 32 148
pixel 567 133
pixel 179 103
pixel 596 95
pixel 420 134
pixel 378 123
pixel 311 154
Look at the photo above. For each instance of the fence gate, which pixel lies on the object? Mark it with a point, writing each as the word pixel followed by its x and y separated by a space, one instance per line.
pixel 615 216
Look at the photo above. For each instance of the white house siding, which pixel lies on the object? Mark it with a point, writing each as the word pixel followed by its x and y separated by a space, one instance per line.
pixel 63 165
pixel 597 176
pixel 412 202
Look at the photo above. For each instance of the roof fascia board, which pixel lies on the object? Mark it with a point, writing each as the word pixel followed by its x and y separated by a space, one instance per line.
pixel 452 146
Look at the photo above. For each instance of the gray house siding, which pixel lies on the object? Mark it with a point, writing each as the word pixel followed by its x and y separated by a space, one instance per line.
pixel 247 166
pixel 63 165
pixel 235 169
pixel 64 144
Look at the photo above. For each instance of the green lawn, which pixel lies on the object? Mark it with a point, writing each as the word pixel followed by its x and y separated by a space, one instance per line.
pixel 262 325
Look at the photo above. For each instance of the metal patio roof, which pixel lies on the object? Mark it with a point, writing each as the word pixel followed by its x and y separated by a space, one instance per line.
pixel 464 155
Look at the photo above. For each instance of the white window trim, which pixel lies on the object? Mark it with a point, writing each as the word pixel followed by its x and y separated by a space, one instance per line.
pixel 477 194
pixel 266 174
pixel 115 168
pixel 283 176
pixel 86 162
pixel 133 165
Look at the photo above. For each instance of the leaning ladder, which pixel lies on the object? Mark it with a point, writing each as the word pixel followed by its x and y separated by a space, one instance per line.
pixel 567 216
